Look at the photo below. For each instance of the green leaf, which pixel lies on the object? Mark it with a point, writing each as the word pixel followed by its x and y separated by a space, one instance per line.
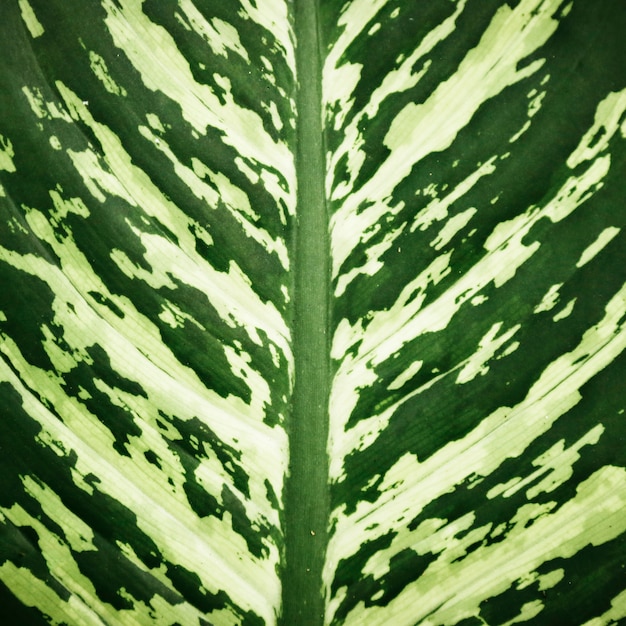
pixel 312 312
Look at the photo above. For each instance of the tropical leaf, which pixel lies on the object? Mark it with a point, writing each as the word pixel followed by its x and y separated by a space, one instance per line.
pixel 312 312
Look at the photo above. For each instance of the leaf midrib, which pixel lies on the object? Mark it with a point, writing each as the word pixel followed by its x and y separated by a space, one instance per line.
pixel 306 492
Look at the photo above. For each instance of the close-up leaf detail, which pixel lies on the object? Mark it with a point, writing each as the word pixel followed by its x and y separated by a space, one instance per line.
pixel 312 312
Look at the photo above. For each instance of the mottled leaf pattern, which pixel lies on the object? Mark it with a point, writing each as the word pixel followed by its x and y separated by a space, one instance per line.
pixel 147 203
pixel 152 163
pixel 476 186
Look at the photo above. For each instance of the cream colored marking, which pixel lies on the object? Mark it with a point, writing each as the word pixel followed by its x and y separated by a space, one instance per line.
pixel 452 227
pixel 551 579
pixel 272 109
pixel 176 318
pixel 521 131
pixel 6 155
pixel 405 375
pixel 43 109
pixel 36 101
pixel 556 465
pixel 63 567
pixel 373 254
pixel 32 591
pixel 238 202
pixel 379 323
pixel 477 363
pixel 477 300
pixel 549 300
pixel 339 82
pixel 603 239
pixel 566 311
pixel 607 120
pixel 79 535
pixel 404 78
pixel 535 104
pixel 220 35
pixel 62 361
pixel 438 208
pixel 30 19
pixel 99 68
pixel 84 606
pixel 154 122
pixel 547 581
pixel 275 16
pixel 528 611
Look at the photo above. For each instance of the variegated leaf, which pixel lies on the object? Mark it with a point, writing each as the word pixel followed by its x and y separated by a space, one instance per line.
pixel 312 312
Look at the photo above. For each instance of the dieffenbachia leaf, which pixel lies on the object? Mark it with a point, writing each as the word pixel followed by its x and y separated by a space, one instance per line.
pixel 312 312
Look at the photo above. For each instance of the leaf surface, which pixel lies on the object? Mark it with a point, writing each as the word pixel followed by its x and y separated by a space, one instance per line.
pixel 312 312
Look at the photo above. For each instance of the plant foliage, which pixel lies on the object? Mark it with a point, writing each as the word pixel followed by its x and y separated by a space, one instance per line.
pixel 312 312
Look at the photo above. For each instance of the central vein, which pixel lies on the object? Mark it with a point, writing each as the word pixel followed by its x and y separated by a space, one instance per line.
pixel 306 492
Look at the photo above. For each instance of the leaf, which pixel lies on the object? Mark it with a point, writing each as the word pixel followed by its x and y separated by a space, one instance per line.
pixel 312 312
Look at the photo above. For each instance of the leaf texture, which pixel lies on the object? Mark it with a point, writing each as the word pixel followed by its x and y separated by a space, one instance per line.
pixel 155 158
pixel 148 199
pixel 476 186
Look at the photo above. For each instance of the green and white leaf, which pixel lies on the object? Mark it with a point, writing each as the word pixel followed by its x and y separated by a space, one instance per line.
pixel 312 312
